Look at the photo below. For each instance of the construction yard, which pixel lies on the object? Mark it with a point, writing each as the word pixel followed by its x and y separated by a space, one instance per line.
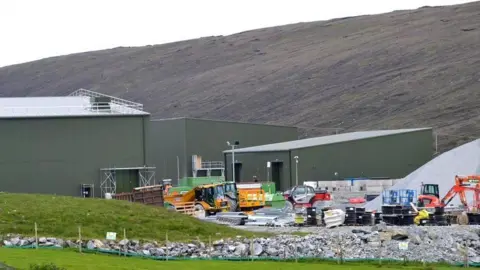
pixel 93 181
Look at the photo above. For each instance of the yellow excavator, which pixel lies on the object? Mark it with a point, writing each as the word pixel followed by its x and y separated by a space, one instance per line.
pixel 208 199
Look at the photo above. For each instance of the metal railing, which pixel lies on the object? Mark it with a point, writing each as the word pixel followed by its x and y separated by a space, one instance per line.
pixel 87 109
pixel 122 102
pixel 212 165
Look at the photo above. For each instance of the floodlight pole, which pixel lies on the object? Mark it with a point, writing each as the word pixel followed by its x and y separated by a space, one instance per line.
pixel 233 162
pixel 233 157
pixel 296 170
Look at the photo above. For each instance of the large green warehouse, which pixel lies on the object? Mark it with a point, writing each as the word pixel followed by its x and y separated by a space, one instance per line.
pixel 186 147
pixel 364 154
pixel 86 144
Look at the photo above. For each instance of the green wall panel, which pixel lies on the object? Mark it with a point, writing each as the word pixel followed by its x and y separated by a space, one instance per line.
pixel 393 156
pixel 166 142
pixel 184 137
pixel 57 155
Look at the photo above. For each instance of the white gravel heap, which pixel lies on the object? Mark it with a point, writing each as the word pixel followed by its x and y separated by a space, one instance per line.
pixel 430 244
pixel 463 160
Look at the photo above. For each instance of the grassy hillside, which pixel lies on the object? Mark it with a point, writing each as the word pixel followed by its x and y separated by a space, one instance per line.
pixel 403 69
pixel 59 216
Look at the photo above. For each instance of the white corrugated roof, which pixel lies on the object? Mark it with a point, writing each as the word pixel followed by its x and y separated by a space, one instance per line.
pixel 285 146
pixel 16 107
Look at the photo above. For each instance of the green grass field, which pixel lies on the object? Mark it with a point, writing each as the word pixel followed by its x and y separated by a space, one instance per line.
pixel 22 258
pixel 59 216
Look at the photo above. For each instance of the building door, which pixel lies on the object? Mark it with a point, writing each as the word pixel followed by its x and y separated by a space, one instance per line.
pixel 86 190
pixel 277 175
pixel 238 172
pixel 126 180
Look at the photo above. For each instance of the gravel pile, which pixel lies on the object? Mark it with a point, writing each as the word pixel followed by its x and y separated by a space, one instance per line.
pixel 430 244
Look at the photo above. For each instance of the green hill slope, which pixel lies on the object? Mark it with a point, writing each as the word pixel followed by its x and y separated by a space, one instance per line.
pixel 402 69
pixel 58 216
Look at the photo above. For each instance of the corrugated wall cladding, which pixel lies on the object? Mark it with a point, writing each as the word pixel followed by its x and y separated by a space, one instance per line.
pixel 392 156
pixel 57 155
pixel 255 164
pixel 209 138
pixel 184 137
pixel 167 141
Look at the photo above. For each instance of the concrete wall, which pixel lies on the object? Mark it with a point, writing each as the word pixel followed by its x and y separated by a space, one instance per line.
pixel 57 155
pixel 185 137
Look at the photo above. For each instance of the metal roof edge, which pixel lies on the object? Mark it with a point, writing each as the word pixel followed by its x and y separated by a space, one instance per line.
pixel 74 116
pixel 251 149
pixel 255 151
pixel 223 121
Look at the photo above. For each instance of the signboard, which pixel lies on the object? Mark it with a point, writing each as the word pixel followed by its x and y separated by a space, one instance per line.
pixel 268 164
pixel 111 236
pixel 403 245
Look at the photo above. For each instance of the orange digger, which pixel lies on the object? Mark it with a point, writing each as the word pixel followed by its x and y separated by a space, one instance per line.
pixel 430 196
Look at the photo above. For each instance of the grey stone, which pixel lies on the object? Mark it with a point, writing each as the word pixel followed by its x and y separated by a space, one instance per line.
pixel 23 243
pixel 379 227
pixel 15 241
pixel 148 246
pixel 257 249
pixel 123 242
pixel 7 243
pixel 42 240
pixel 241 250
pixel 134 242
pixel 218 242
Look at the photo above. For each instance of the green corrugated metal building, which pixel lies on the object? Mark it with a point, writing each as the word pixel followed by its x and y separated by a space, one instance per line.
pixel 83 144
pixel 364 154
pixel 173 143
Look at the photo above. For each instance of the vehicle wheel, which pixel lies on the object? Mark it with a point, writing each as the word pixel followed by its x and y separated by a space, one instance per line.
pixel 199 211
pixel 288 207
pixel 233 204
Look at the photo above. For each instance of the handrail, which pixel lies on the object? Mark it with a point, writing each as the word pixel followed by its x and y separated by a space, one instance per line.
pixel 115 100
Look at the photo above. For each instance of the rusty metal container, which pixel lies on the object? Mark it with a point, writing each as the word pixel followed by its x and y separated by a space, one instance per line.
pixel 150 195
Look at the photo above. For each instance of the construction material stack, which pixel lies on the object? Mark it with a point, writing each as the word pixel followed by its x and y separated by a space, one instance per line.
pixel 149 195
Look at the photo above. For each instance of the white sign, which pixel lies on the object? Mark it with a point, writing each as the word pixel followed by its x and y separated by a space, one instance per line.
pixel 268 164
pixel 111 236
pixel 403 245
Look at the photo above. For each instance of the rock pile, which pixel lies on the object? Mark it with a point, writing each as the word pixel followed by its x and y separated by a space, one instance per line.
pixel 430 244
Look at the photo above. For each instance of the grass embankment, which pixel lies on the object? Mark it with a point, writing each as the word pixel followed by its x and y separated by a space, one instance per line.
pixel 22 259
pixel 60 216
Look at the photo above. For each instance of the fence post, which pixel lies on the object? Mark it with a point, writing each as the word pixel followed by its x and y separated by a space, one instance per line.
pixel 166 245
pixel 36 236
pixel 210 247
pixel 80 239
pixel 296 251
pixel 251 250
pixel 340 249
pixel 380 247
pixel 126 245
pixel 465 255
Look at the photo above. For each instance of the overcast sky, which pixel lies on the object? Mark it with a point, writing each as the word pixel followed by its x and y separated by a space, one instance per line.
pixel 35 29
